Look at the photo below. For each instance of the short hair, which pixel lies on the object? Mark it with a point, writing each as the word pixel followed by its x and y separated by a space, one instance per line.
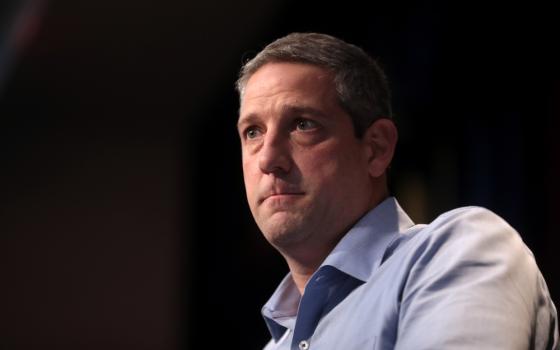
pixel 360 84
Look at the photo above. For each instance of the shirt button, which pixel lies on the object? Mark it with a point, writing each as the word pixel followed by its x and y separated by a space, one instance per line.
pixel 303 345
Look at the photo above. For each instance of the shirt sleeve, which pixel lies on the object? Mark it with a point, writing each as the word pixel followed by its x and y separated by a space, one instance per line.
pixel 473 284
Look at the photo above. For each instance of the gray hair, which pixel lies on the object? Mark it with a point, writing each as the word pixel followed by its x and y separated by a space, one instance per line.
pixel 360 83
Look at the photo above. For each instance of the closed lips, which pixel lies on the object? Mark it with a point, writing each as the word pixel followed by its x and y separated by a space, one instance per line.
pixel 282 194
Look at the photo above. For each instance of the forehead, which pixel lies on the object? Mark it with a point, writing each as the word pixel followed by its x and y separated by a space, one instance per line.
pixel 287 73
pixel 279 81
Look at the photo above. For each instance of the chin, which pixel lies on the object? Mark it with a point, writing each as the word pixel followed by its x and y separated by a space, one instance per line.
pixel 283 234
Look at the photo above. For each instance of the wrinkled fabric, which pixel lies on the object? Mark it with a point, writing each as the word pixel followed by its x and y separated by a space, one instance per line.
pixel 465 281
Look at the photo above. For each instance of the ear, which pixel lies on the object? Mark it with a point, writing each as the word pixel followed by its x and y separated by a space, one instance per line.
pixel 380 139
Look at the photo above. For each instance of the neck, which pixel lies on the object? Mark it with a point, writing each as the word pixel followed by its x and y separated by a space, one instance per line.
pixel 305 258
pixel 301 275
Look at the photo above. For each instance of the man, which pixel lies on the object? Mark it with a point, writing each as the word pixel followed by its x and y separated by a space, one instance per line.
pixel 317 139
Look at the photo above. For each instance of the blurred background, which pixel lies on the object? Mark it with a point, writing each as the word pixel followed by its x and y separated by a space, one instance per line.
pixel 123 222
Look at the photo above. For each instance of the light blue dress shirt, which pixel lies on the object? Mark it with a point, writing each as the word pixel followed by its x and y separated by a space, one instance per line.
pixel 465 281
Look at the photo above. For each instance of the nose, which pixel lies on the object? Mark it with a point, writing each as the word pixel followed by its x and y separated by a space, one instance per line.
pixel 275 154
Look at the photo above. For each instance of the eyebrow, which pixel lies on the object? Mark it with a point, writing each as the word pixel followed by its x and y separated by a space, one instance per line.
pixel 286 109
pixel 247 119
pixel 294 109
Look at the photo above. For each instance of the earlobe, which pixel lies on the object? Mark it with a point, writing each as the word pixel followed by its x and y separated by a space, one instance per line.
pixel 380 139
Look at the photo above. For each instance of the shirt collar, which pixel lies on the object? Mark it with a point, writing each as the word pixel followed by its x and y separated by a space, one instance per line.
pixel 358 254
pixel 360 251
pixel 281 309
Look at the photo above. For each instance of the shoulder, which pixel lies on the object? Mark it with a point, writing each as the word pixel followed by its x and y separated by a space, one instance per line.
pixel 469 275
pixel 467 246
pixel 470 230
pixel 472 246
pixel 471 221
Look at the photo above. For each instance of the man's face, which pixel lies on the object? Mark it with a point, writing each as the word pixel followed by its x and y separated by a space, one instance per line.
pixel 306 174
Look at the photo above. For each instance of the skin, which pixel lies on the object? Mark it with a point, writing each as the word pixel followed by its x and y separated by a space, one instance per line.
pixel 308 178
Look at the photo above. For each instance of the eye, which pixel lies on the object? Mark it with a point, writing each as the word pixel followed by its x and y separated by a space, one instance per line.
pixel 252 132
pixel 306 125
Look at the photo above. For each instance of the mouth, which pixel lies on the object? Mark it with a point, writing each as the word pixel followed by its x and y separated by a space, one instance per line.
pixel 282 196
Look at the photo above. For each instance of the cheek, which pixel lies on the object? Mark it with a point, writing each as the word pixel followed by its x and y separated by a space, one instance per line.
pixel 319 167
pixel 250 177
pixel 333 167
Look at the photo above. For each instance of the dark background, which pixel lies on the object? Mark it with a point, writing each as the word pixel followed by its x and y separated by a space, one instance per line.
pixel 123 222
